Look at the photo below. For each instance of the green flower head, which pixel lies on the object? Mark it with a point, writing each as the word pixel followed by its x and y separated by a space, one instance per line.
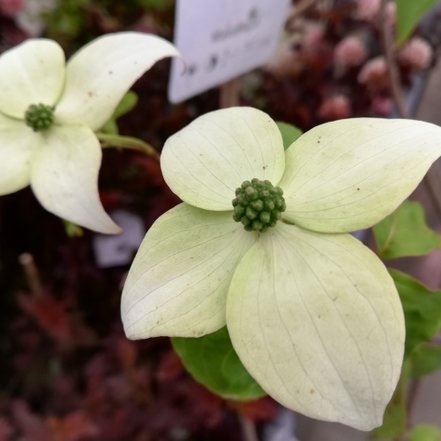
pixel 312 313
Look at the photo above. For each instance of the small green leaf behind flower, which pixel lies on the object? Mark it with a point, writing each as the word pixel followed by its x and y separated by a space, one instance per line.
pixel 425 359
pixel 409 14
pixel 109 134
pixel 422 310
pixel 405 233
pixel 395 415
pixel 128 102
pixel 425 432
pixel 72 230
pixel 212 361
pixel 289 133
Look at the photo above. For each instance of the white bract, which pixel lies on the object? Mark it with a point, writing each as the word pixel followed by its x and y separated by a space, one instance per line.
pixel 49 112
pixel 312 313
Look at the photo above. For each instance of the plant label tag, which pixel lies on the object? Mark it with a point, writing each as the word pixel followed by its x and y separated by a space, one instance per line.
pixel 119 250
pixel 221 39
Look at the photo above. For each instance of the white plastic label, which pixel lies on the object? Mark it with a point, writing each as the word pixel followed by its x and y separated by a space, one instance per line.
pixel 221 39
pixel 119 249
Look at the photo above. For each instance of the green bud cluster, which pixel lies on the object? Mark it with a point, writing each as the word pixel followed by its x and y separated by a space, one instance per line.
pixel 39 117
pixel 258 205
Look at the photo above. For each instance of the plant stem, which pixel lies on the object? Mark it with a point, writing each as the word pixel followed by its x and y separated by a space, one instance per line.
pixel 229 94
pixel 31 273
pixel 248 427
pixel 388 47
pixel 127 142
pixel 412 395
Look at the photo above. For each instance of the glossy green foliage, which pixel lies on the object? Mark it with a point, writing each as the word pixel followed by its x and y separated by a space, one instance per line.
pixel 425 359
pixel 425 432
pixel 422 310
pixel 409 13
pixel 212 361
pixel 129 101
pixel 405 233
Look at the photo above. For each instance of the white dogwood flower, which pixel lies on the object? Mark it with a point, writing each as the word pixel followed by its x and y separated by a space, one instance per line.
pixel 49 112
pixel 261 244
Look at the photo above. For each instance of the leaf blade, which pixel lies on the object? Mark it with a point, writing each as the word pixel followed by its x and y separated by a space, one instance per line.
pixel 405 233
pixel 212 361
pixel 409 14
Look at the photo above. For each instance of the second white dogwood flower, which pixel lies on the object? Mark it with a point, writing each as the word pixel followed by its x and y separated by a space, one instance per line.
pixel 49 113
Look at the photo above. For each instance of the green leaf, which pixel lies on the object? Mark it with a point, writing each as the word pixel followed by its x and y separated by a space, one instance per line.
pixel 425 432
pixel 289 133
pixel 405 233
pixel 394 422
pixel 422 310
pixel 425 359
pixel 212 361
pixel 409 13
pixel 128 102
pixel 72 230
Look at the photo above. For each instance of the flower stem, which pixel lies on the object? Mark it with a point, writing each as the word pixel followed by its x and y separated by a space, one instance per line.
pixel 31 273
pixel 392 70
pixel 248 427
pixel 229 94
pixel 127 142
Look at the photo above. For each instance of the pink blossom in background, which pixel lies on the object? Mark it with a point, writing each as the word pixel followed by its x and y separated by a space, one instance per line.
pixel 349 52
pixel 381 105
pixel 374 73
pixel 416 54
pixel 313 35
pixel 285 63
pixel 335 107
pixel 367 9
pixel 315 50
pixel 5 429
pixel 10 8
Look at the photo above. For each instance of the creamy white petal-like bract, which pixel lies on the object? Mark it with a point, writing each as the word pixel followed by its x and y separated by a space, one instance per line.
pixel 16 145
pixel 64 177
pixel 349 174
pixel 207 160
pixel 30 73
pixel 100 73
pixel 179 279
pixel 317 321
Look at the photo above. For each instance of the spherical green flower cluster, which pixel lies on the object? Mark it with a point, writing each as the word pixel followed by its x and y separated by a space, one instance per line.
pixel 258 205
pixel 39 117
